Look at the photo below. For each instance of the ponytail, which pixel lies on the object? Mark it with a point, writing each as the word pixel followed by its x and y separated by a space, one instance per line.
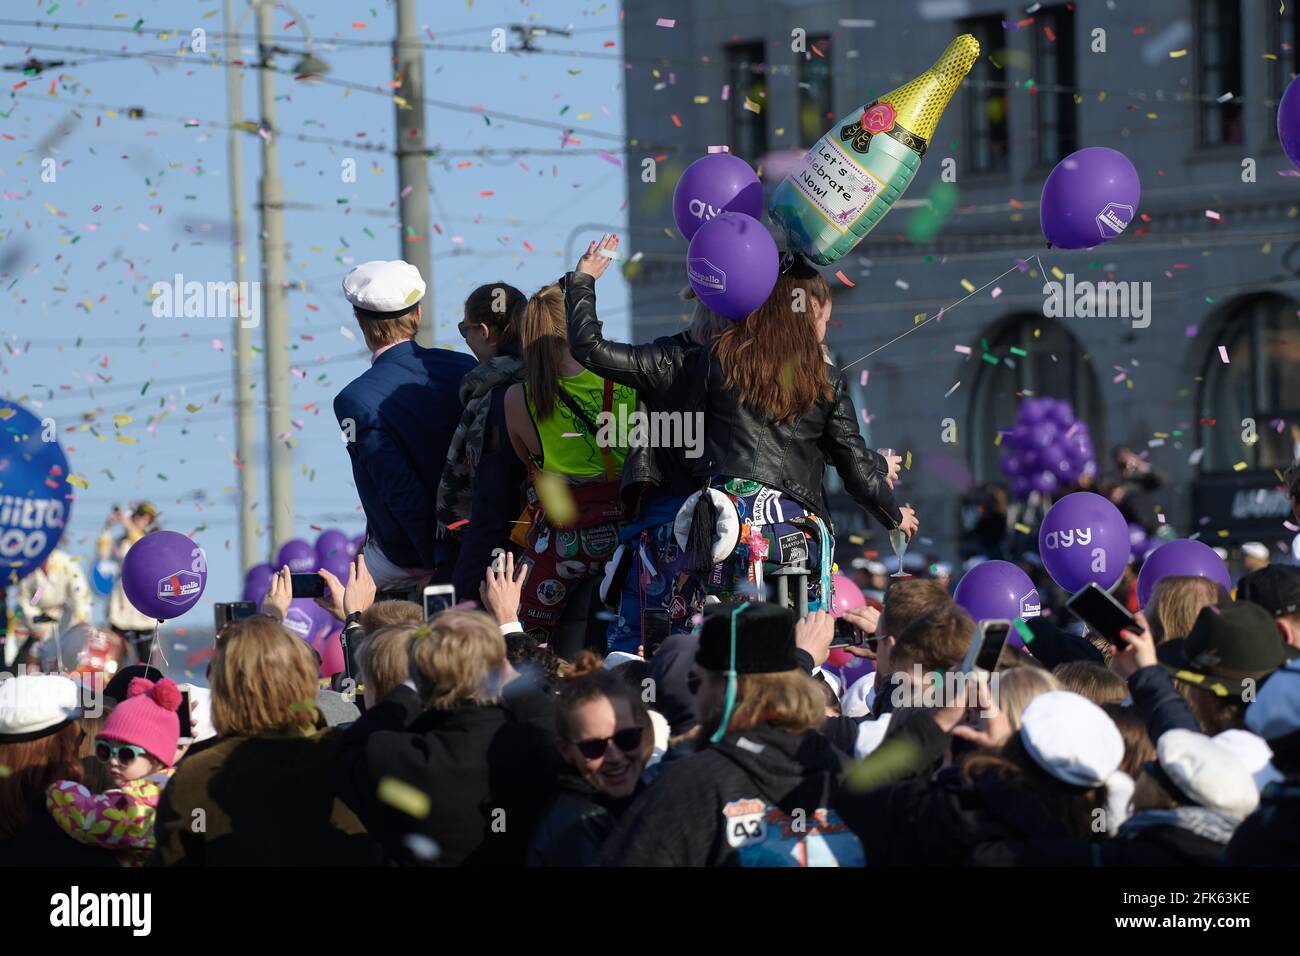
pixel 544 336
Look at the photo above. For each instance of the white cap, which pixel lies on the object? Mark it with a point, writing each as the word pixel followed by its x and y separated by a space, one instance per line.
pixel 1221 552
pixel 871 734
pixel 615 658
pixel 1276 711
pixel 35 705
pixel 1254 753
pixel 1256 550
pixel 380 286
pixel 1208 772
pixel 1071 738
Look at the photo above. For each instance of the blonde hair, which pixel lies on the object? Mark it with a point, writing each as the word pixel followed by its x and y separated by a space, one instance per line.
pixel 1099 685
pixel 457 658
pixel 262 678
pixel 379 330
pixel 788 700
pixel 386 613
pixel 544 337
pixel 385 659
pixel 1175 603
pixel 1017 686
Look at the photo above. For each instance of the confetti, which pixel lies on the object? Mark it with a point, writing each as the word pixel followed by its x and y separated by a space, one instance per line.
pixel 953 389
pixel 1223 355
pixel 1175 54
pixel 402 796
pixel 845 279
pixel 553 492
pixel 963 349
pixel 78 482
pixel 665 23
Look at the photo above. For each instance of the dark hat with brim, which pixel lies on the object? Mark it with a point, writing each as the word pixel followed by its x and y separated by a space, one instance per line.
pixel 1230 650
pixel 1275 588
pixel 764 640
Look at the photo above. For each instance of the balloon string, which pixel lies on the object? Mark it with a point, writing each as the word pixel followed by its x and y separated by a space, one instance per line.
pixel 942 311
pixel 155 646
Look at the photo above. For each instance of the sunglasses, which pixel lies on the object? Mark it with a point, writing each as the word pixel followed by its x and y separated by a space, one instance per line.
pixel 464 328
pixel 628 741
pixel 125 753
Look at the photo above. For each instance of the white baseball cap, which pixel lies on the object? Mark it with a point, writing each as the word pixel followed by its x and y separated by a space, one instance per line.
pixel 36 705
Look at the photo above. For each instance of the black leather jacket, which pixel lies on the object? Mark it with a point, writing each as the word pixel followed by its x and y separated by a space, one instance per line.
pixel 654 370
pixel 739 442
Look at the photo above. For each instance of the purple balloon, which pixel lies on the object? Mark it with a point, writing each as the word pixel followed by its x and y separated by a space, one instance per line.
pixel 714 184
pixel 1063 414
pixel 164 574
pixel 997 590
pixel 1089 198
pixel 307 619
pixel 257 582
pixel 1084 540
pixel 1031 412
pixel 1044 482
pixel 1044 433
pixel 337 564
pixel 332 541
pixel 298 555
pixel 1020 487
pixel 1011 464
pixel 1182 558
pixel 1020 436
pixel 1288 122
pixel 732 264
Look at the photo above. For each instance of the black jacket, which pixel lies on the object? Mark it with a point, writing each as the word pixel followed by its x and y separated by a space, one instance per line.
pixel 654 370
pixel 42 843
pixel 741 442
pixel 947 822
pixel 487 771
pixel 576 825
pixel 755 799
pixel 1271 835
pixel 1169 838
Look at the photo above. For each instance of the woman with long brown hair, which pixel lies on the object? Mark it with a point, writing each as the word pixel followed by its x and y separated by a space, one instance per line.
pixel 559 419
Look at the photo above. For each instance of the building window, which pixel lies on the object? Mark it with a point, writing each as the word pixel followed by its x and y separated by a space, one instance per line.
pixel 1034 356
pixel 1283 39
pixel 1258 382
pixel 987 143
pixel 1055 113
pixel 815 104
pixel 1219 72
pixel 747 77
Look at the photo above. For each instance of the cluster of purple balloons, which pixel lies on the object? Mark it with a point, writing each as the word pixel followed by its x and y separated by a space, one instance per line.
pixel 333 552
pixel 1047 448
pixel 732 262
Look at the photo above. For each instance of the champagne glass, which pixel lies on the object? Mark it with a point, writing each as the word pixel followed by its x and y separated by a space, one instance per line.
pixel 897 540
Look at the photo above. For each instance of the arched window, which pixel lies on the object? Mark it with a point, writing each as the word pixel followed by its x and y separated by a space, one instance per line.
pixel 1260 381
pixel 1023 355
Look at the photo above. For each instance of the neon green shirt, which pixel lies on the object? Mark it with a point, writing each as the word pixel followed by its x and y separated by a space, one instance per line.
pixel 579 455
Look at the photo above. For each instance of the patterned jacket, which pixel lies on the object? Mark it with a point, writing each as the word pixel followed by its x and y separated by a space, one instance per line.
pixel 120 819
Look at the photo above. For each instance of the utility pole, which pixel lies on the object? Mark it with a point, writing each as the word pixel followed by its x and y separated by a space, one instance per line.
pixel 245 415
pixel 412 158
pixel 275 318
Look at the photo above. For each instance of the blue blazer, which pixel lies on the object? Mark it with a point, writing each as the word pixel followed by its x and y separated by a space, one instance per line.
pixel 403 410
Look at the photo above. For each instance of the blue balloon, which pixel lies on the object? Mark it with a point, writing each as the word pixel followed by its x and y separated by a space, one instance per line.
pixel 101 577
pixel 35 497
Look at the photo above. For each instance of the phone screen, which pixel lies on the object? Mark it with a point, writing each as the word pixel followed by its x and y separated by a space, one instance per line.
pixel 224 613
pixel 995 638
pixel 846 635
pixel 1102 613
pixel 183 714
pixel 307 585
pixel 438 597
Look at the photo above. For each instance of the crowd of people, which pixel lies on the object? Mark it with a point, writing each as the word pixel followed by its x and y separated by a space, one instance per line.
pixel 636 669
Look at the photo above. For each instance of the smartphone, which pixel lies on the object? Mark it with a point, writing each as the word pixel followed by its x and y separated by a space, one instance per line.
pixel 1102 613
pixel 994 639
pixel 307 585
pixel 185 716
pixel 438 597
pixel 224 613
pixel 846 635
pixel 986 646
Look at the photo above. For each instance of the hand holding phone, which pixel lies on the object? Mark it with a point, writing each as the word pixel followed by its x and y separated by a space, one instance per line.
pixel 186 717
pixel 437 598
pixel 847 634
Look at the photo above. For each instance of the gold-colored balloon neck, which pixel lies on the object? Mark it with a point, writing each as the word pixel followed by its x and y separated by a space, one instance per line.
pixel 959 57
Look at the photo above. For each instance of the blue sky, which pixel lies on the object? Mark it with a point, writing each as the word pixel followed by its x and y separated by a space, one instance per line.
pixel 144 403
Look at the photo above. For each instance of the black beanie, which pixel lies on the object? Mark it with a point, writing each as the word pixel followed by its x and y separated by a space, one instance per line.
pixel 764 640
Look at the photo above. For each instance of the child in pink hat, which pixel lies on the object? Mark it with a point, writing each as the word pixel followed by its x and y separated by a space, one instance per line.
pixel 138 743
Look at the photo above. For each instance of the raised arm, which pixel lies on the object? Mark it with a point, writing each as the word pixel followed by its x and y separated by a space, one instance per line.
pixel 864 472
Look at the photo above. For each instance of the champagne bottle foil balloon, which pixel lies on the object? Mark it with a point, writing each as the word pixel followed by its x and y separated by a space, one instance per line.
pixel 858 170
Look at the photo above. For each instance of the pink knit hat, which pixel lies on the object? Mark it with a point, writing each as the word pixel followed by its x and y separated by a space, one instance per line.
pixel 148 718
